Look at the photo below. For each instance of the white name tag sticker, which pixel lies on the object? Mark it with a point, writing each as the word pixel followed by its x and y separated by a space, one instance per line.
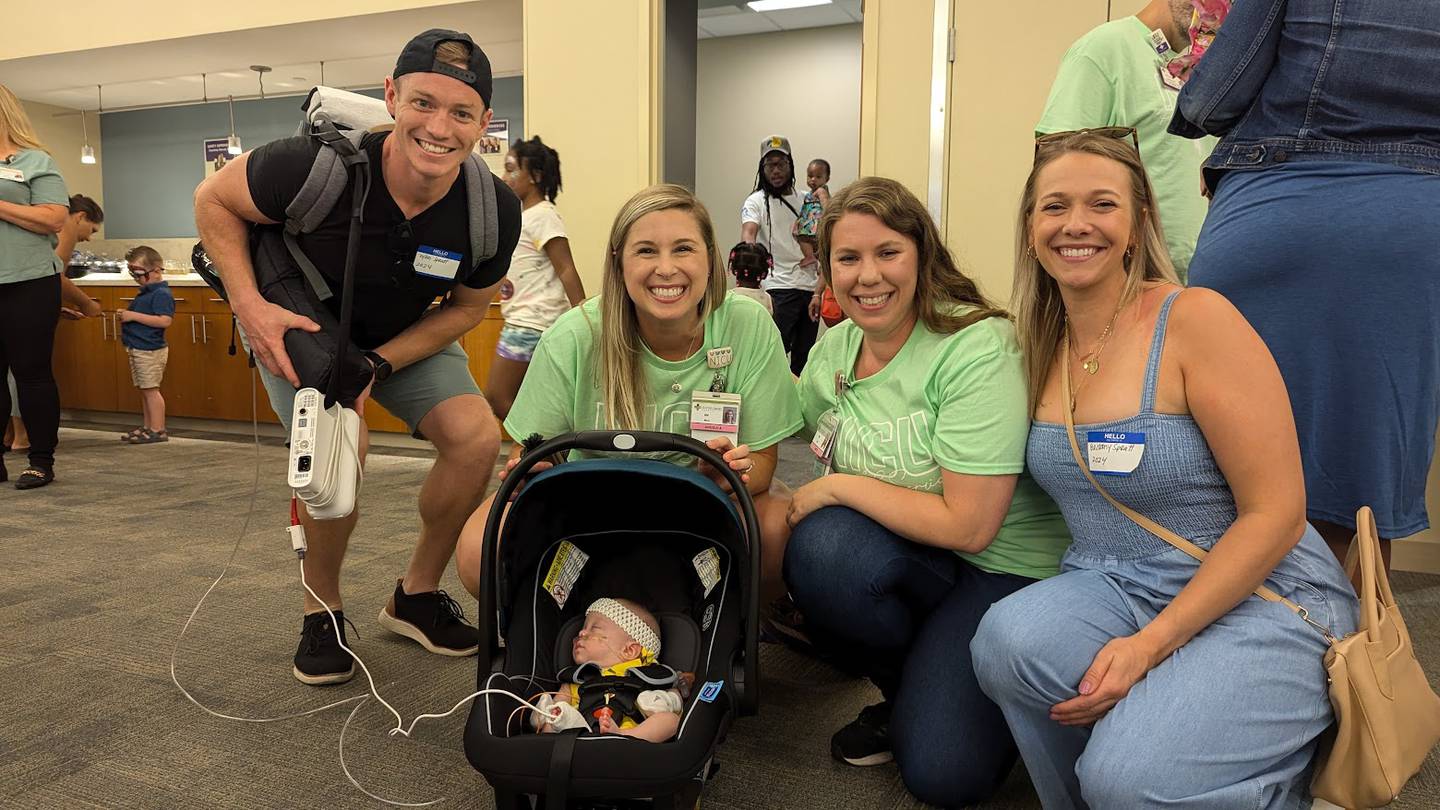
pixel 713 415
pixel 1112 453
pixel 9 173
pixel 437 263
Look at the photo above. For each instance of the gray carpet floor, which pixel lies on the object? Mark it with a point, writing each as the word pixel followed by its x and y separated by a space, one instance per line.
pixel 103 567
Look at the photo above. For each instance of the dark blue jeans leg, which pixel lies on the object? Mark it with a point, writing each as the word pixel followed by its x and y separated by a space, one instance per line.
pixel 950 741
pixel 864 590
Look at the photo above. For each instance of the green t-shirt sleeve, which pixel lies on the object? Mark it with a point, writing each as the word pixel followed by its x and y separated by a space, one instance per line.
pixel 47 187
pixel 979 394
pixel 770 406
pixel 1082 96
pixel 547 398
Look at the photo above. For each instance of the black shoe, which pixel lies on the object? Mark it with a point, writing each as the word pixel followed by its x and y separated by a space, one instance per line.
pixel 319 661
pixel 433 620
pixel 866 741
pixel 34 477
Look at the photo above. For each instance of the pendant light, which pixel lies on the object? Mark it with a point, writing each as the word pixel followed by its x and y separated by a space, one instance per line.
pixel 232 146
pixel 87 152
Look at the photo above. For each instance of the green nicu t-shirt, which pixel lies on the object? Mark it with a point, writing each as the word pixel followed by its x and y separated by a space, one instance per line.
pixel 1111 78
pixel 955 402
pixel 561 392
pixel 29 178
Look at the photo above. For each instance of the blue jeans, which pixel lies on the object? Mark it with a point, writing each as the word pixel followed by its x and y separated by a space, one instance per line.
pixel 1229 720
pixel 904 614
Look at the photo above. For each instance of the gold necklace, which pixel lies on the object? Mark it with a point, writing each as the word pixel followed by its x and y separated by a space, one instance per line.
pixel 1091 361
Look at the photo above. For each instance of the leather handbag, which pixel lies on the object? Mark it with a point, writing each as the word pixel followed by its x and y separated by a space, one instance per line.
pixel 1387 718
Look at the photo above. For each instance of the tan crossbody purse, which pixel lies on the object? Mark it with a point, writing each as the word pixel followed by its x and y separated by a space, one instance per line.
pixel 1387 718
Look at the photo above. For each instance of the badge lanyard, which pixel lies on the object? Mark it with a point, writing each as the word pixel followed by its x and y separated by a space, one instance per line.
pixel 827 429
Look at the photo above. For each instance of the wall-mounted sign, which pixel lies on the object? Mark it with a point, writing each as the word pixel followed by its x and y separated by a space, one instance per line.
pixel 496 140
pixel 216 155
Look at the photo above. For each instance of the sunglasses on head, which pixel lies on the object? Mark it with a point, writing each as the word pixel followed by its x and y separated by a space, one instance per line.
pixel 1119 133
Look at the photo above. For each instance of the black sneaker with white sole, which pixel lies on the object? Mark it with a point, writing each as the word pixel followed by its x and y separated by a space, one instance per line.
pixel 319 661
pixel 433 620
pixel 866 740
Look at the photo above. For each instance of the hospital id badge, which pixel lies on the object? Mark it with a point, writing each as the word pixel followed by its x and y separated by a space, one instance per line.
pixel 715 415
pixel 437 263
pixel 12 173
pixel 827 427
pixel 1112 453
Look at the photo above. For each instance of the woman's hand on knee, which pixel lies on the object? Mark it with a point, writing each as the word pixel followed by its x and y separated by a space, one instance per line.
pixel 1119 665
pixel 811 497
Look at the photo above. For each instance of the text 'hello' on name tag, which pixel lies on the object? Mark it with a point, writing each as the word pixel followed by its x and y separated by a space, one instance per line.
pixel 1114 453
pixel 437 263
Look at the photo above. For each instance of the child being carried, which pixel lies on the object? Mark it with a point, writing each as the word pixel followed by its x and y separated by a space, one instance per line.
pixel 616 685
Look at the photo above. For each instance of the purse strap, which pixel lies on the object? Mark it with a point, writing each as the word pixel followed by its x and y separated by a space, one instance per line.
pixel 1144 522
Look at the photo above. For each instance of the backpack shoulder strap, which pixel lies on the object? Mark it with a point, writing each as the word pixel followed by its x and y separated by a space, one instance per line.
pixel 328 178
pixel 484 211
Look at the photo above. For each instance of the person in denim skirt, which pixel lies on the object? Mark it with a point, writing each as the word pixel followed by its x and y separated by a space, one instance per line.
pixel 1140 677
pixel 1322 232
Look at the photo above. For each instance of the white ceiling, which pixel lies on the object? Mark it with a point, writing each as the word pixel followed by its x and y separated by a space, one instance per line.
pixel 357 52
pixel 730 18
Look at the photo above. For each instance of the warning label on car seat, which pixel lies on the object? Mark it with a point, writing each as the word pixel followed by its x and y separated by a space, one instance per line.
pixel 707 567
pixel 564 571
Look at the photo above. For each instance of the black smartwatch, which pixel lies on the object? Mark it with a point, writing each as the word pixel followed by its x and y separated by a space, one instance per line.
pixel 383 369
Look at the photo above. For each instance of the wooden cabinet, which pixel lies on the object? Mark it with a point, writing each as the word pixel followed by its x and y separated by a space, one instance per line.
pixel 84 357
pixel 202 378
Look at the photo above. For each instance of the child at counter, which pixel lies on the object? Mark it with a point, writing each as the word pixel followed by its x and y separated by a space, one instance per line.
pixel 142 330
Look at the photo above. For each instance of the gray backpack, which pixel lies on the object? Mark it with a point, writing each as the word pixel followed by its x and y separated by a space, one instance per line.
pixel 329 111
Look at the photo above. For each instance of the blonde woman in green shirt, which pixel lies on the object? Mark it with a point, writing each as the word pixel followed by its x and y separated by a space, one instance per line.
pixel 33 208
pixel 926 517
pixel 631 358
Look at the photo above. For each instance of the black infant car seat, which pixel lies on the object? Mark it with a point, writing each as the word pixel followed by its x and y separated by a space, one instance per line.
pixel 656 532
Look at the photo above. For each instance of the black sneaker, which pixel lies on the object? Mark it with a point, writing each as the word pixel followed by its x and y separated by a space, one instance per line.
pixel 866 740
pixel 433 620
pixel 319 661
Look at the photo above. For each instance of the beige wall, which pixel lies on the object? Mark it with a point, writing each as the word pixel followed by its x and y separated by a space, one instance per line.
pixel 895 92
pixel 102 23
pixel 588 93
pixel 63 137
pixel 997 93
pixel 802 84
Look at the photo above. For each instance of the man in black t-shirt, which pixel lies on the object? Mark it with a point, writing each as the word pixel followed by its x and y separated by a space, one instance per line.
pixel 414 247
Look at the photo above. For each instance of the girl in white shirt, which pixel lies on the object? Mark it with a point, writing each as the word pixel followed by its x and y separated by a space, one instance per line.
pixel 543 282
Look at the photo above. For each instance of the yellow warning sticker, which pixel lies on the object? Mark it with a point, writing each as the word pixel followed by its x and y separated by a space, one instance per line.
pixel 564 572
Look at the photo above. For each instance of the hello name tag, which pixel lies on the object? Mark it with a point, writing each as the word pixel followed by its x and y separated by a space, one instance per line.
pixel 8 173
pixel 1114 453
pixel 437 263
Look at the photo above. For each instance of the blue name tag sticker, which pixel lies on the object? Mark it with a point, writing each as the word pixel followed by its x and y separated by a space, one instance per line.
pixel 711 690
pixel 437 263
pixel 1113 452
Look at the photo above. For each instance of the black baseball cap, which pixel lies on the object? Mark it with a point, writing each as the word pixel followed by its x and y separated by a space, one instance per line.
pixel 419 57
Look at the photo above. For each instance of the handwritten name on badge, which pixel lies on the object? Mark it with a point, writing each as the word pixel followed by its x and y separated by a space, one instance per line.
pixel 1114 453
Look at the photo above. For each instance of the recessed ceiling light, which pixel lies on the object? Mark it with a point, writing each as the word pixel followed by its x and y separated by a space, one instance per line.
pixel 780 5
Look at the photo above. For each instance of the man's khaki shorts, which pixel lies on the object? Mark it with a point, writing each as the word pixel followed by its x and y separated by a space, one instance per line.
pixel 147 366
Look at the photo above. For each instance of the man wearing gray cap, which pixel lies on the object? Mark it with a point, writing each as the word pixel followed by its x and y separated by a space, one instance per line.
pixel 768 217
pixel 415 246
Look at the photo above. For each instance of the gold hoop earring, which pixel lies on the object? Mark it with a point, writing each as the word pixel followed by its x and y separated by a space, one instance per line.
pixel 1129 253
pixel 1030 251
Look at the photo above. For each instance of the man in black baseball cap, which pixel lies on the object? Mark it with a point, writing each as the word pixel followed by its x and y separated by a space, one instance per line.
pixel 415 246
pixel 426 54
